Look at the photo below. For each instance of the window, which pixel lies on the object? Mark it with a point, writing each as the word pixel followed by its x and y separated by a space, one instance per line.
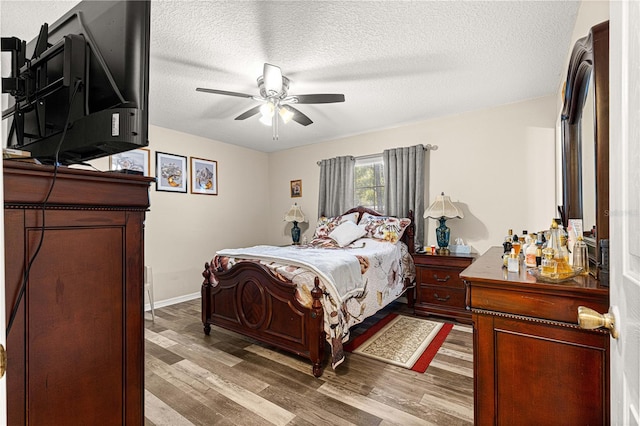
pixel 369 183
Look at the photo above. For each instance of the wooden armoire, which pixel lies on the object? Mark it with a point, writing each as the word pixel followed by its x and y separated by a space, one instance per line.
pixel 76 346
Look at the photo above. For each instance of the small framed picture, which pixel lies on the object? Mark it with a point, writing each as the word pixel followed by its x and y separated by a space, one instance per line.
pixel 296 188
pixel 171 172
pixel 204 176
pixel 136 160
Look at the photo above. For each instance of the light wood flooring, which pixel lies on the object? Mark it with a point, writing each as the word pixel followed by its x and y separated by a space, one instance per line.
pixel 227 379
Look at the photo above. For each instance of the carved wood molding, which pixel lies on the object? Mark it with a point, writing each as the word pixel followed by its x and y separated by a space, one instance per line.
pixel 532 319
pixel 74 207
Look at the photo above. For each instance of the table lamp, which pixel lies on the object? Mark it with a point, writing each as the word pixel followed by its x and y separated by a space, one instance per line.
pixel 295 215
pixel 442 209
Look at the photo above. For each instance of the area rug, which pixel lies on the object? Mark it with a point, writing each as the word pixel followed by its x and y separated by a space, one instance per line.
pixel 408 342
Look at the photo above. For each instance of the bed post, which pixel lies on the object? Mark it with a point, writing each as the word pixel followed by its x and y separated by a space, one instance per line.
pixel 409 240
pixel 316 337
pixel 410 232
pixel 205 297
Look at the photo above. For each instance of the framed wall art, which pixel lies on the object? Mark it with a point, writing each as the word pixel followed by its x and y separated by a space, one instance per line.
pixel 296 188
pixel 204 176
pixel 171 172
pixel 137 160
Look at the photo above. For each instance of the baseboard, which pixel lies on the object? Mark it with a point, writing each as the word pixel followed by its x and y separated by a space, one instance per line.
pixel 172 301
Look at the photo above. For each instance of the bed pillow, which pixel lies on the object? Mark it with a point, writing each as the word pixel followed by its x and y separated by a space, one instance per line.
pixel 346 233
pixel 384 228
pixel 327 224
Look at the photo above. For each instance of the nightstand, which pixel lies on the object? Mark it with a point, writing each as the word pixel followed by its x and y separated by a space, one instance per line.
pixel 440 290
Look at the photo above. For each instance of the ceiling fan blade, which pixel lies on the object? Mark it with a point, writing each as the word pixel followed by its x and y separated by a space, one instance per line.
pixel 250 113
pixel 272 80
pixel 299 117
pixel 318 99
pixel 224 92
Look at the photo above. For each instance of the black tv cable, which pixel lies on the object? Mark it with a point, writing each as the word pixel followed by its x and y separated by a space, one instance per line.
pixel 25 279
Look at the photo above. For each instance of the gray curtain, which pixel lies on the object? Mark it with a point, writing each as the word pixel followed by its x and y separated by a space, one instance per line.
pixel 404 185
pixel 336 185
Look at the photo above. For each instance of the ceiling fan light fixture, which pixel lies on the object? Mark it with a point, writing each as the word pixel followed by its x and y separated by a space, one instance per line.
pixel 274 88
pixel 267 110
pixel 285 113
pixel 267 121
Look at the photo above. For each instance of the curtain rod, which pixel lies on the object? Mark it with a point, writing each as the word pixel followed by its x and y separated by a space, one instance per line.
pixel 427 147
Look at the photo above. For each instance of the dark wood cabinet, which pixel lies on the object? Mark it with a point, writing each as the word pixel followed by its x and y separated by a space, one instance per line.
pixel 533 365
pixel 75 349
pixel 440 290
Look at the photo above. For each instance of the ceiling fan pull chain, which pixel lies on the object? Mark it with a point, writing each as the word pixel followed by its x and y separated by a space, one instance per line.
pixel 275 126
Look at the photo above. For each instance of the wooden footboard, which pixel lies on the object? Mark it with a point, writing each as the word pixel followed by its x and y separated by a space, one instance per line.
pixel 250 300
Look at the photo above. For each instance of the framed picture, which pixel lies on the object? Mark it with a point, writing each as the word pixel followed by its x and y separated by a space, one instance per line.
pixel 136 160
pixel 296 188
pixel 204 176
pixel 171 172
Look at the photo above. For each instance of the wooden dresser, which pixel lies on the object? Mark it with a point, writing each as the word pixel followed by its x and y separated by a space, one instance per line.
pixel 76 349
pixel 440 290
pixel 533 365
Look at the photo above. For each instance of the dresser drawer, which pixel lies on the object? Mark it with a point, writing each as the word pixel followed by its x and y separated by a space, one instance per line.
pixel 441 277
pixel 444 296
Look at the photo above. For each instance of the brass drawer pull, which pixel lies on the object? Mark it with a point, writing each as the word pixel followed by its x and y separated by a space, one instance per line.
pixel 3 361
pixel 441 299
pixel 441 280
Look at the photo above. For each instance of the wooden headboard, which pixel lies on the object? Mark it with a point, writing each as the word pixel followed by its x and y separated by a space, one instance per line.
pixel 408 235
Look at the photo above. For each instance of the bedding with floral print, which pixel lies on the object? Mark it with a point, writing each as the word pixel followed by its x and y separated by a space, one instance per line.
pixel 384 228
pixel 327 224
pixel 385 278
pixel 328 243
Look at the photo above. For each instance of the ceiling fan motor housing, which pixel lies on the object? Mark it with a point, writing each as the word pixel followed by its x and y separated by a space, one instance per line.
pixel 282 94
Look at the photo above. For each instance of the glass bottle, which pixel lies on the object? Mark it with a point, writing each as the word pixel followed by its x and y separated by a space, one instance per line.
pixel 538 256
pixel 516 245
pixel 513 263
pixel 549 264
pixel 563 237
pixel 530 252
pixel 560 254
pixel 581 256
pixel 507 244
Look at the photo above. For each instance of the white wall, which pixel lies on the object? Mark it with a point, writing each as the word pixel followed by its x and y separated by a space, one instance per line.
pixel 498 164
pixel 183 231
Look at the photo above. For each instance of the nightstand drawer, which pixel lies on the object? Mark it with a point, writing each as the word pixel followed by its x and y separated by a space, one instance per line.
pixel 441 277
pixel 440 290
pixel 438 295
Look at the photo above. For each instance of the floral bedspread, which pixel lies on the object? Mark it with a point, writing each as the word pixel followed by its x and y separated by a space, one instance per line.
pixel 383 265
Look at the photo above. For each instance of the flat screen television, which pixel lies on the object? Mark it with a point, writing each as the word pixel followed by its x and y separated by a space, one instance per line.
pixel 88 72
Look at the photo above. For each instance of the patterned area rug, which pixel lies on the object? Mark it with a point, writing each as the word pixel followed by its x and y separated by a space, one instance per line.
pixel 400 340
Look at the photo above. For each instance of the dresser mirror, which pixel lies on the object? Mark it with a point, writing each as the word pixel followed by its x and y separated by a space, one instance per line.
pixel 585 143
pixel 588 161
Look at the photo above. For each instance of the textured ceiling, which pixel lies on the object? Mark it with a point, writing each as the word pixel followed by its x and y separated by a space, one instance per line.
pixel 396 62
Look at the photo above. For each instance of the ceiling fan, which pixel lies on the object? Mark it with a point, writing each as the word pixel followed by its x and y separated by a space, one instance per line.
pixel 276 100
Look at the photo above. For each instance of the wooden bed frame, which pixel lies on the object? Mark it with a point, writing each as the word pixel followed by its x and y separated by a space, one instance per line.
pixel 250 300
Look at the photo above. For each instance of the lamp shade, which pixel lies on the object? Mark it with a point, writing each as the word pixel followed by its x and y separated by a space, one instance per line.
pixel 443 207
pixel 295 214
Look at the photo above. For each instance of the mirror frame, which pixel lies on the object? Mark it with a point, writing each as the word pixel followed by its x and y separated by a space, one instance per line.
pixel 590 55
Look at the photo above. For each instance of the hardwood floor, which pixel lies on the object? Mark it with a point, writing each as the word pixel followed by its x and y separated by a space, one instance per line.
pixel 228 379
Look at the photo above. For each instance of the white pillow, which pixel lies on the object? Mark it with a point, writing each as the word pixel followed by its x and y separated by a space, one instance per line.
pixel 346 233
pixel 327 224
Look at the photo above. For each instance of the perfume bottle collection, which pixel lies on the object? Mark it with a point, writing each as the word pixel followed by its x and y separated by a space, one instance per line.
pixel 546 254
